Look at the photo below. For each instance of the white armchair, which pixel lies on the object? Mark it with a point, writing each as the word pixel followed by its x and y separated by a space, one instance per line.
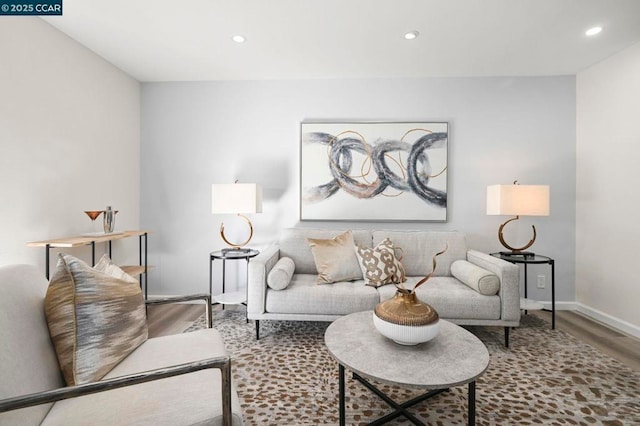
pixel 181 379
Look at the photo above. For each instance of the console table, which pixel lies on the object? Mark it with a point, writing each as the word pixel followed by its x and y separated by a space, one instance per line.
pixel 533 259
pixel 141 269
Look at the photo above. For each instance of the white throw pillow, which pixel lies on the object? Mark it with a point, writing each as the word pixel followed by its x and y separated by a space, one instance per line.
pixel 479 279
pixel 280 275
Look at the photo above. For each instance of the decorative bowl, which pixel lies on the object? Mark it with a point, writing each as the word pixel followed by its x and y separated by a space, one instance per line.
pixel 406 334
pixel 405 319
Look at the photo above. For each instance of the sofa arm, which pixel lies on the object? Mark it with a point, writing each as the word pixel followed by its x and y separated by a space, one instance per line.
pixel 509 275
pixel 259 268
pixel 178 299
pixel 223 363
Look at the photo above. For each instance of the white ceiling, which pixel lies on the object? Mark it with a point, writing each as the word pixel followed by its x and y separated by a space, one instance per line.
pixel 171 40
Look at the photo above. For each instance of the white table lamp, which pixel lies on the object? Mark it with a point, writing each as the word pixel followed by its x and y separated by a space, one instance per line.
pixel 517 200
pixel 239 199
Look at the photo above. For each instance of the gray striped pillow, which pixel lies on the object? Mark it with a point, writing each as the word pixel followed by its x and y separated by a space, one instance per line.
pixel 96 317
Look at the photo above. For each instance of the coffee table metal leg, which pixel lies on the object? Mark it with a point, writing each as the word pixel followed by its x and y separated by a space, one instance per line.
pixel 472 403
pixel 341 393
pixel 401 409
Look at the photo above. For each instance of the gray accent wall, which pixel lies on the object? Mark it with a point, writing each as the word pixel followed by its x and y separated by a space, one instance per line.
pixel 198 133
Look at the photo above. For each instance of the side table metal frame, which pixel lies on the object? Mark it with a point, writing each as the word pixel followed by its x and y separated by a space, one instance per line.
pixel 245 254
pixel 535 260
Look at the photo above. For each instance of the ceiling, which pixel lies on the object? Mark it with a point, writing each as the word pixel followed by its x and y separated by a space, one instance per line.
pixel 163 40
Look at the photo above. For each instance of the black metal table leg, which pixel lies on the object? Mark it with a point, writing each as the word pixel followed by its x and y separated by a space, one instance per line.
pixel 341 393
pixel 146 271
pixel 211 279
pixel 553 294
pixel 46 260
pixel 525 285
pixel 247 298
pixel 224 274
pixel 472 403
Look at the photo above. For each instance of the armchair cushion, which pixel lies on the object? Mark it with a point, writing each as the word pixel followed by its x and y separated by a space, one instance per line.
pixel 190 399
pixel 96 317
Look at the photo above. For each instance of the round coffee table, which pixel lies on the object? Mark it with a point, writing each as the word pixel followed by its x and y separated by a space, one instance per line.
pixel 455 357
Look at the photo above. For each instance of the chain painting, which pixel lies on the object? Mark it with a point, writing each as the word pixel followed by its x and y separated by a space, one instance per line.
pixel 363 171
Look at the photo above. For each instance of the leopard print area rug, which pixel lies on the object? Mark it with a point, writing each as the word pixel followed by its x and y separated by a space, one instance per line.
pixel 546 377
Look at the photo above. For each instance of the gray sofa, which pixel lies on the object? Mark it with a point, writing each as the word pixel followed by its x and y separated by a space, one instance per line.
pixel 306 300
pixel 182 379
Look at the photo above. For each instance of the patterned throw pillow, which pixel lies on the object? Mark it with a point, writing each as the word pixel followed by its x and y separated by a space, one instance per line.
pixel 380 265
pixel 335 259
pixel 96 317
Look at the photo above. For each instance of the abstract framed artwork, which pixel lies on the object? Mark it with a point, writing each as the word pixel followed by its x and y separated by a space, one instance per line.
pixel 373 171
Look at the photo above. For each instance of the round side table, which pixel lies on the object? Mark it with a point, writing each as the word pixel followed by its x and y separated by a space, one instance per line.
pixel 231 298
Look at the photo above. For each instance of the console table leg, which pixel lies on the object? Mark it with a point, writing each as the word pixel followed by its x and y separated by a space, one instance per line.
pixel 472 403
pixel 46 259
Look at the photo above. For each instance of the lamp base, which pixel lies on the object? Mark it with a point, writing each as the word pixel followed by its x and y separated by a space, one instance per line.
pixel 235 247
pixel 518 253
pixel 236 250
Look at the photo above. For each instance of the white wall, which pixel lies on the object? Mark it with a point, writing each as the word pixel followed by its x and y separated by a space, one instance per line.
pixel 199 133
pixel 608 195
pixel 69 141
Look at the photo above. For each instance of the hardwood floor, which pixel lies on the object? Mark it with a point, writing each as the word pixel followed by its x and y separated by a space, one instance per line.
pixel 622 347
pixel 170 319
pixel 176 318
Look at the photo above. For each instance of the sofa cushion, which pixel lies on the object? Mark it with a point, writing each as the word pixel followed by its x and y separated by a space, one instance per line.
pixel 380 265
pixel 293 243
pixel 305 296
pixel 281 273
pixel 450 298
pixel 477 278
pixel 195 397
pixel 419 247
pixel 335 258
pixel 95 318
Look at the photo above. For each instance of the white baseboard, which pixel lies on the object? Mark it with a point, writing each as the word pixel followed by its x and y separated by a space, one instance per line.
pixel 560 306
pixel 596 315
pixel 617 323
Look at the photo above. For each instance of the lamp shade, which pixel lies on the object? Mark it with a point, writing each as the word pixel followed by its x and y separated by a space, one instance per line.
pixel 518 200
pixel 235 198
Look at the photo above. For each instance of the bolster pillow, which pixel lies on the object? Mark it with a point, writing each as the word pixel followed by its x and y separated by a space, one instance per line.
pixel 479 279
pixel 281 273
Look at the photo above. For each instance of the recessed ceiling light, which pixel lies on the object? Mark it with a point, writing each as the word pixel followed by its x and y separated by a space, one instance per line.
pixel 593 31
pixel 238 39
pixel 411 35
